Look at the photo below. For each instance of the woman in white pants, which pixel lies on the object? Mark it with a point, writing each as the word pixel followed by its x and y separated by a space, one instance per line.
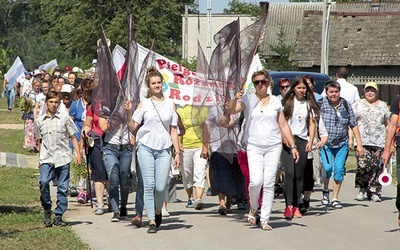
pixel 264 123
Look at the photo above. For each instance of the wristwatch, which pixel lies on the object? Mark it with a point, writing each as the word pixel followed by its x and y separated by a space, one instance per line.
pixel 293 146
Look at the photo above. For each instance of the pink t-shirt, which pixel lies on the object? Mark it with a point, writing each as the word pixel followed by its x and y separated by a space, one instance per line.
pixel 95 125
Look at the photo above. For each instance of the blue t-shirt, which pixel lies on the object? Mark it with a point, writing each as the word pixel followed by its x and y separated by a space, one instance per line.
pixel 78 111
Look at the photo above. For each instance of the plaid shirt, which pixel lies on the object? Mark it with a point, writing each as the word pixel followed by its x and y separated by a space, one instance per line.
pixel 337 121
pixel 55 133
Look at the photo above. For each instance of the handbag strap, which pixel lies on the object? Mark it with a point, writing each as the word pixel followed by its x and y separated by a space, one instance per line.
pixel 159 116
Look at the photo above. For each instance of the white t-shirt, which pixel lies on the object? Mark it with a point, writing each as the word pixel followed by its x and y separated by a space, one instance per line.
pixel 26 86
pixel 41 99
pixel 262 129
pixel 155 132
pixel 117 136
pixel 322 133
pixel 298 121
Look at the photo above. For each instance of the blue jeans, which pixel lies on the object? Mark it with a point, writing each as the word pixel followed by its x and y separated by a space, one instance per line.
pixel 154 166
pixel 139 203
pixel 62 177
pixel 10 93
pixel 337 159
pixel 117 161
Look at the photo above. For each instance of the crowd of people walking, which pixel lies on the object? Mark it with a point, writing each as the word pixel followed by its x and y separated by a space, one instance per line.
pixel 245 143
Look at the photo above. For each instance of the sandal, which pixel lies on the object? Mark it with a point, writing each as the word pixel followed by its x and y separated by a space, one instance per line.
pixel 222 210
pixel 252 217
pixel 265 226
pixel 336 204
pixel 325 198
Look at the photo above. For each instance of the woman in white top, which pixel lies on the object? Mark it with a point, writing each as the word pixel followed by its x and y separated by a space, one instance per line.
pixel 117 157
pixel 40 104
pixel 264 123
pixel 300 110
pixel 372 117
pixel 154 139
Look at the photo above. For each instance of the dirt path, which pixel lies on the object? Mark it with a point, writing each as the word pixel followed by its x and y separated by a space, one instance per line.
pixel 11 126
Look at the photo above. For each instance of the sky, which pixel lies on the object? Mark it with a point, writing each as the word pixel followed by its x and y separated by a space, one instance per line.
pixel 217 6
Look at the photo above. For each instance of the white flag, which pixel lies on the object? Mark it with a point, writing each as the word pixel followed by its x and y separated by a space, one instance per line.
pixel 50 66
pixel 15 72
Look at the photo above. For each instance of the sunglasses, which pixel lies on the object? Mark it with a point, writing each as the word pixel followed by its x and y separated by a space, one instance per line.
pixel 285 86
pixel 259 82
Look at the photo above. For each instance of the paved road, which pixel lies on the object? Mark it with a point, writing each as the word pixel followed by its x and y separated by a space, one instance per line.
pixel 359 225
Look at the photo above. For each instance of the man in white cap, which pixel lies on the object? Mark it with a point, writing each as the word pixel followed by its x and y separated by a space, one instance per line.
pixel 93 68
pixel 37 74
pixel 66 98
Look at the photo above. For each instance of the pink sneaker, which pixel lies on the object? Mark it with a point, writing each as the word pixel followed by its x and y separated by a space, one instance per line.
pixel 296 213
pixel 81 198
pixel 288 214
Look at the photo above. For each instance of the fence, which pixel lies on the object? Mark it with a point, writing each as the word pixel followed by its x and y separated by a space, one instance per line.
pixel 389 86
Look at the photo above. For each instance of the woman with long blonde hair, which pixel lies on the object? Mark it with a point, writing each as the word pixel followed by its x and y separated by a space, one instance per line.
pixel 158 121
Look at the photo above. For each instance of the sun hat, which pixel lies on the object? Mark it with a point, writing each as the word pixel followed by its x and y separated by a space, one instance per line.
pixel 67 88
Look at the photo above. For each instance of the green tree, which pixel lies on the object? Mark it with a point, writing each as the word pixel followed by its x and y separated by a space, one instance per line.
pixel 78 31
pixel 190 63
pixel 41 30
pixel 281 50
pixel 238 7
pixel 337 1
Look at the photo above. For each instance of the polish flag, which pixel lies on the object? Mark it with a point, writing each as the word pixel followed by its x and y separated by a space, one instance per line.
pixel 119 60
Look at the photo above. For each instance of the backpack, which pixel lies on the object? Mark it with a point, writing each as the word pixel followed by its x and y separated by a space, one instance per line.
pixel 346 105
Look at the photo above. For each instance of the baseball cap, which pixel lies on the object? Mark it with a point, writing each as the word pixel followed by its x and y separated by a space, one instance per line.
pixel 371 84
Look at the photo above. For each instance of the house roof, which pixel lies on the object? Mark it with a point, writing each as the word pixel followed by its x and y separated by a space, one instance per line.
pixel 289 16
pixel 298 19
pixel 355 39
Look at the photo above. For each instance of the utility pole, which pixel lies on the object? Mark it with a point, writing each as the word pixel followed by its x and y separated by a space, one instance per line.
pixel 185 35
pixel 325 37
pixel 209 30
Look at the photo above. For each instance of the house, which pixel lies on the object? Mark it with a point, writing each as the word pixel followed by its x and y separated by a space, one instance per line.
pixel 363 36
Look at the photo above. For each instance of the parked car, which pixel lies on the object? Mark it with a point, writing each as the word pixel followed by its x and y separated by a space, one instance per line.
pixel 319 79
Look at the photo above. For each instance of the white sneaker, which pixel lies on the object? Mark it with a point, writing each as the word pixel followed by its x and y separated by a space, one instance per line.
pixel 164 212
pixel 100 209
pixel 360 196
pixel 199 204
pixel 375 198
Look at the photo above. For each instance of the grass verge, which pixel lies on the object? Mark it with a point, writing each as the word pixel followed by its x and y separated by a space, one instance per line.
pixel 12 141
pixel 21 216
pixel 7 117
